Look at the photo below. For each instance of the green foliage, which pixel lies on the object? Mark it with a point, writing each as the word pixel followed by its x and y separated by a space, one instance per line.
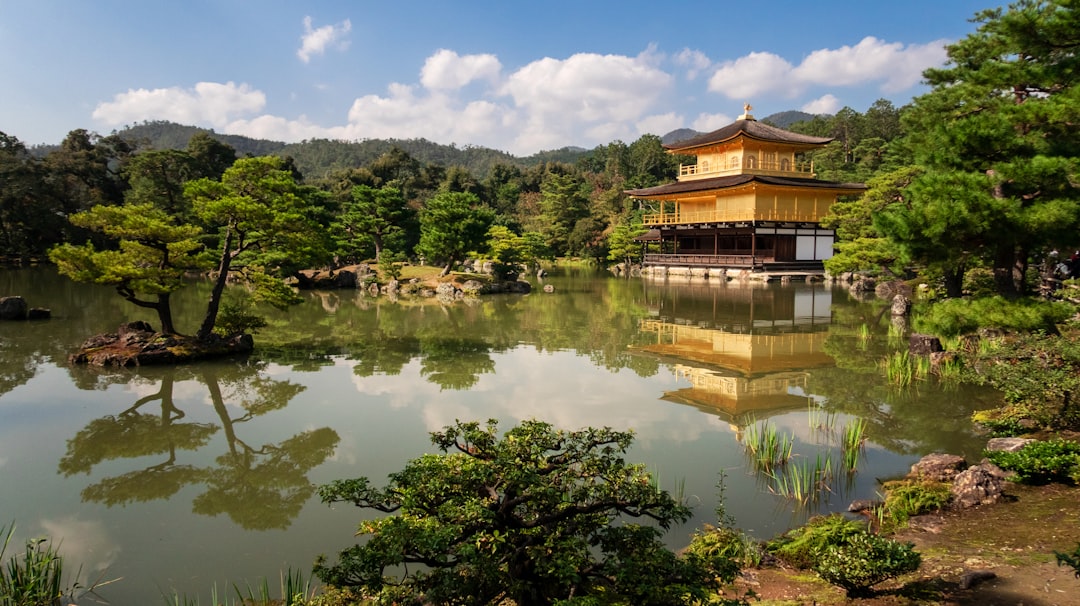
pixel 390 264
pixel 267 227
pixel 724 550
pixel 237 317
pixel 1038 374
pixel 153 256
pixel 965 316
pixel 1072 560
pixel 537 516
pixel 1041 462
pixel 802 547
pixel 996 135
pixel 35 578
pixel 451 225
pixel 904 499
pixel 863 560
pixel 374 219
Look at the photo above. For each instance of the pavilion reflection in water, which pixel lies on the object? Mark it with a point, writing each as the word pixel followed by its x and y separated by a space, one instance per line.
pixel 746 349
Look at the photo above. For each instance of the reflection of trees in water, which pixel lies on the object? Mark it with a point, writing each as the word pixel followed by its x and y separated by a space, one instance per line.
pixel 924 417
pixel 454 343
pixel 257 486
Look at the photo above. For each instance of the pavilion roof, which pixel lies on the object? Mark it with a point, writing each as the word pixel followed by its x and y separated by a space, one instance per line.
pixel 747 127
pixel 696 185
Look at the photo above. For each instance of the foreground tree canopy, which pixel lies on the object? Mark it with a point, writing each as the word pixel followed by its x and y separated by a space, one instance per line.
pixel 538 516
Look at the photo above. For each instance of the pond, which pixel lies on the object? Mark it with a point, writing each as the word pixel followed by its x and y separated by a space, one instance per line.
pixel 180 480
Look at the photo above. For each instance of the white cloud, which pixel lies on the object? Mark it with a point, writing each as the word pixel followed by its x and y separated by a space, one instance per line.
pixel 558 99
pixel 446 70
pixel 825 104
pixel 210 103
pixel 661 124
pixel 896 66
pixel 694 61
pixel 870 60
pixel 753 75
pixel 316 41
pixel 709 122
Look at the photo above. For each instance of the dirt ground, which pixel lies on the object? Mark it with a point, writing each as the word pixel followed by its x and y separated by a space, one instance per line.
pixel 1014 539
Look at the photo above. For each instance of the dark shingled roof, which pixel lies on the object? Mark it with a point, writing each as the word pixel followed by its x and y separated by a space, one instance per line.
pixel 750 128
pixel 684 187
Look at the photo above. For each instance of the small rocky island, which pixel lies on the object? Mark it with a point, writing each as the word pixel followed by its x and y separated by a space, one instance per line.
pixel 138 344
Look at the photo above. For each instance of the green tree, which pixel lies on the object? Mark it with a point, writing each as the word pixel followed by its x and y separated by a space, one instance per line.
pixel 536 517
pixel 563 203
pixel 374 218
pixel 861 245
pixel 209 156
pixel 621 243
pixel 267 225
pixel 153 255
pixel 451 225
pixel 30 221
pixel 998 137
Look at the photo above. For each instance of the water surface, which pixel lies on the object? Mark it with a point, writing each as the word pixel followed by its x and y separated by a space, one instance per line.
pixel 180 479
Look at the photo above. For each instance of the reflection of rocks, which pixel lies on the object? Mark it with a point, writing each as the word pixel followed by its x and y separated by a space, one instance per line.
pixel 136 344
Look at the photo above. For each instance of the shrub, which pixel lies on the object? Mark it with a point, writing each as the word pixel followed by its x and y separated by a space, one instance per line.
pixel 1041 462
pixel 801 547
pixel 723 550
pixel 865 560
pixel 904 499
pixel 537 516
pixel 962 316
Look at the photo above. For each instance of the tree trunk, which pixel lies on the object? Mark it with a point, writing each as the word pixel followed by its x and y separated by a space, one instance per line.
pixel 164 312
pixel 219 287
pixel 1004 260
pixel 954 282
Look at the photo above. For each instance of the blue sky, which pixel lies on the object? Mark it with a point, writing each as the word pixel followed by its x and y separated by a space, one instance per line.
pixel 516 76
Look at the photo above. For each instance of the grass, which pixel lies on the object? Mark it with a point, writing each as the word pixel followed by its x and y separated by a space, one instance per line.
pixel 767 446
pixel 852 440
pixel 33 579
pixel 293 587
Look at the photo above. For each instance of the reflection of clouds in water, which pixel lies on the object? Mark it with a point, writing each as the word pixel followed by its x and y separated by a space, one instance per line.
pixel 394 390
pixel 3 461
pixel 182 391
pixel 570 392
pixel 82 542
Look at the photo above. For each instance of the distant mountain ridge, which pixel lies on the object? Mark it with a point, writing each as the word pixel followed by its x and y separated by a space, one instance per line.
pixel 316 157
pixel 779 120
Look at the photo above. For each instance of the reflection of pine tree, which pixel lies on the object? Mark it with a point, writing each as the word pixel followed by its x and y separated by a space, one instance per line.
pixel 258 488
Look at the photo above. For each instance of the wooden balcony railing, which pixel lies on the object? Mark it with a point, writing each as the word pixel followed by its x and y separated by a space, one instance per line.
pixel 699 260
pixel 702 171
pixel 728 216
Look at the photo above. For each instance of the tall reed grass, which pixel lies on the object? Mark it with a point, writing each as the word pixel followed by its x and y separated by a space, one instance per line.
pixel 33 578
pixel 294 588
pixel 767 446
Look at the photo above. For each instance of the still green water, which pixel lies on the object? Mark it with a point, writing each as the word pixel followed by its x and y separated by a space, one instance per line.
pixel 183 479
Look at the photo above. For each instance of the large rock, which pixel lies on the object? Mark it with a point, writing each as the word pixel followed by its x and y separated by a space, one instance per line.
pixel 136 344
pixel 980 484
pixel 12 308
pixel 924 345
pixel 1008 444
pixel 938 467
pixel 901 305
